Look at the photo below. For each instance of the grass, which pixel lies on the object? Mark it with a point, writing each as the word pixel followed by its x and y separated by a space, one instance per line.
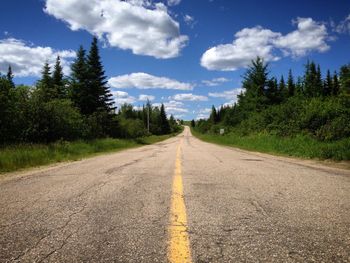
pixel 299 146
pixel 16 157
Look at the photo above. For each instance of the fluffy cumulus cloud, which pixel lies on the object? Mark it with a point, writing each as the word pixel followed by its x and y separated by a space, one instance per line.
pixel 122 97
pixel 215 82
pixel 144 97
pixel 203 113
pixel 146 81
pixel 189 97
pixel 258 41
pixel 136 25
pixel 229 95
pixel 27 59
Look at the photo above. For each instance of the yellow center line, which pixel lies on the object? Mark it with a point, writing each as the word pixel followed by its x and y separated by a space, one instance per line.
pixel 179 243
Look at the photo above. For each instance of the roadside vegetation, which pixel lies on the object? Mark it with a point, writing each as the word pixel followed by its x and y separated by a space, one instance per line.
pixel 307 118
pixel 21 156
pixel 67 117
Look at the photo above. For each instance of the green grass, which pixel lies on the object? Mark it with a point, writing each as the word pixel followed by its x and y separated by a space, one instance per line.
pixel 299 146
pixel 18 157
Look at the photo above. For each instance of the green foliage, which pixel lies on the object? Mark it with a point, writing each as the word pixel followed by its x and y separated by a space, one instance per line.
pixel 313 108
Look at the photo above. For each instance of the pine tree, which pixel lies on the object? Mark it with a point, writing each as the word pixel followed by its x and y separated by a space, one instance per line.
pixel 57 79
pixel 290 84
pixel 10 77
pixel 78 83
pixel 344 79
pixel 213 116
pixel 328 84
pixel 336 85
pixel 193 123
pixel 99 94
pixel 272 92
pixel 282 88
pixel 255 83
pixel 164 123
pixel 45 85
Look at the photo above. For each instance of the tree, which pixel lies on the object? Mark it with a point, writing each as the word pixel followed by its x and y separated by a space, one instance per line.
pixel 57 79
pixel 328 85
pixel 164 123
pixel 78 82
pixel 99 95
pixel 255 83
pixel 313 85
pixel 213 115
pixel 282 88
pixel 345 79
pixel 290 84
pixel 336 86
pixel 45 84
pixel 10 77
pixel 193 123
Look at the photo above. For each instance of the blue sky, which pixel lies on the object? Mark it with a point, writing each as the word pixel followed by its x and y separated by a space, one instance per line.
pixel 187 54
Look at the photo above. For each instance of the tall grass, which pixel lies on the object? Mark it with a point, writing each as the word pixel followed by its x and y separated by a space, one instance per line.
pixel 299 146
pixel 17 157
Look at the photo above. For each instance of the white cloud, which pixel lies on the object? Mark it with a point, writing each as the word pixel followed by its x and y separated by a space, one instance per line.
pixel 230 95
pixel 189 97
pixel 310 36
pixel 215 82
pixel 144 97
pixel 135 25
pixel 146 81
pixel 343 26
pixel 122 97
pixel 189 20
pixel 28 60
pixel 257 41
pixel 173 107
pixel 173 2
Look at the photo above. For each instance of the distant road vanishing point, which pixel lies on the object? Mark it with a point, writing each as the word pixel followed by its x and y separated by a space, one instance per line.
pixel 181 200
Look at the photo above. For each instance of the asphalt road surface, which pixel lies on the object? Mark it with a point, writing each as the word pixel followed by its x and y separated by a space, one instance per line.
pixel 181 200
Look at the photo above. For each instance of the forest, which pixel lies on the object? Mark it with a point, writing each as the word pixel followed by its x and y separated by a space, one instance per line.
pixel 313 106
pixel 76 107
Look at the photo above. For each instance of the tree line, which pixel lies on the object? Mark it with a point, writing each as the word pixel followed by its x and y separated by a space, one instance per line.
pixel 79 106
pixel 313 104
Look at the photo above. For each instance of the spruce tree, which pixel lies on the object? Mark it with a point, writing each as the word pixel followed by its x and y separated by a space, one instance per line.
pixel 10 77
pixel 254 83
pixel 290 84
pixel 336 85
pixel 282 88
pixel 213 116
pixel 45 85
pixel 78 82
pixel 57 79
pixel 328 84
pixel 272 92
pixel 99 94
pixel 164 123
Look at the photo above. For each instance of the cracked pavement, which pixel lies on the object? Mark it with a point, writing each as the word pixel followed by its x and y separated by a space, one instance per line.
pixel 241 207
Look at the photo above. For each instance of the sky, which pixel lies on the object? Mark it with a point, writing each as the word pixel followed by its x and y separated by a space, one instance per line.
pixel 187 54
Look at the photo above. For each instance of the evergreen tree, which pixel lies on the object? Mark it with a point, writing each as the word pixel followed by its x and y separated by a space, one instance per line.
pixel 272 92
pixel 313 80
pixel 336 85
pixel 193 123
pixel 45 85
pixel 78 83
pixel 345 79
pixel 213 116
pixel 282 88
pixel 328 85
pixel 164 123
pixel 10 77
pixel 255 83
pixel 290 84
pixel 100 97
pixel 57 79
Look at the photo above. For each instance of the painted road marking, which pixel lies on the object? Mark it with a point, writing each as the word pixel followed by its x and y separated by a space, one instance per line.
pixel 179 243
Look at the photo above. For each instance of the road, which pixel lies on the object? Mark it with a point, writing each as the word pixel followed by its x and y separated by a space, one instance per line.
pixel 181 200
